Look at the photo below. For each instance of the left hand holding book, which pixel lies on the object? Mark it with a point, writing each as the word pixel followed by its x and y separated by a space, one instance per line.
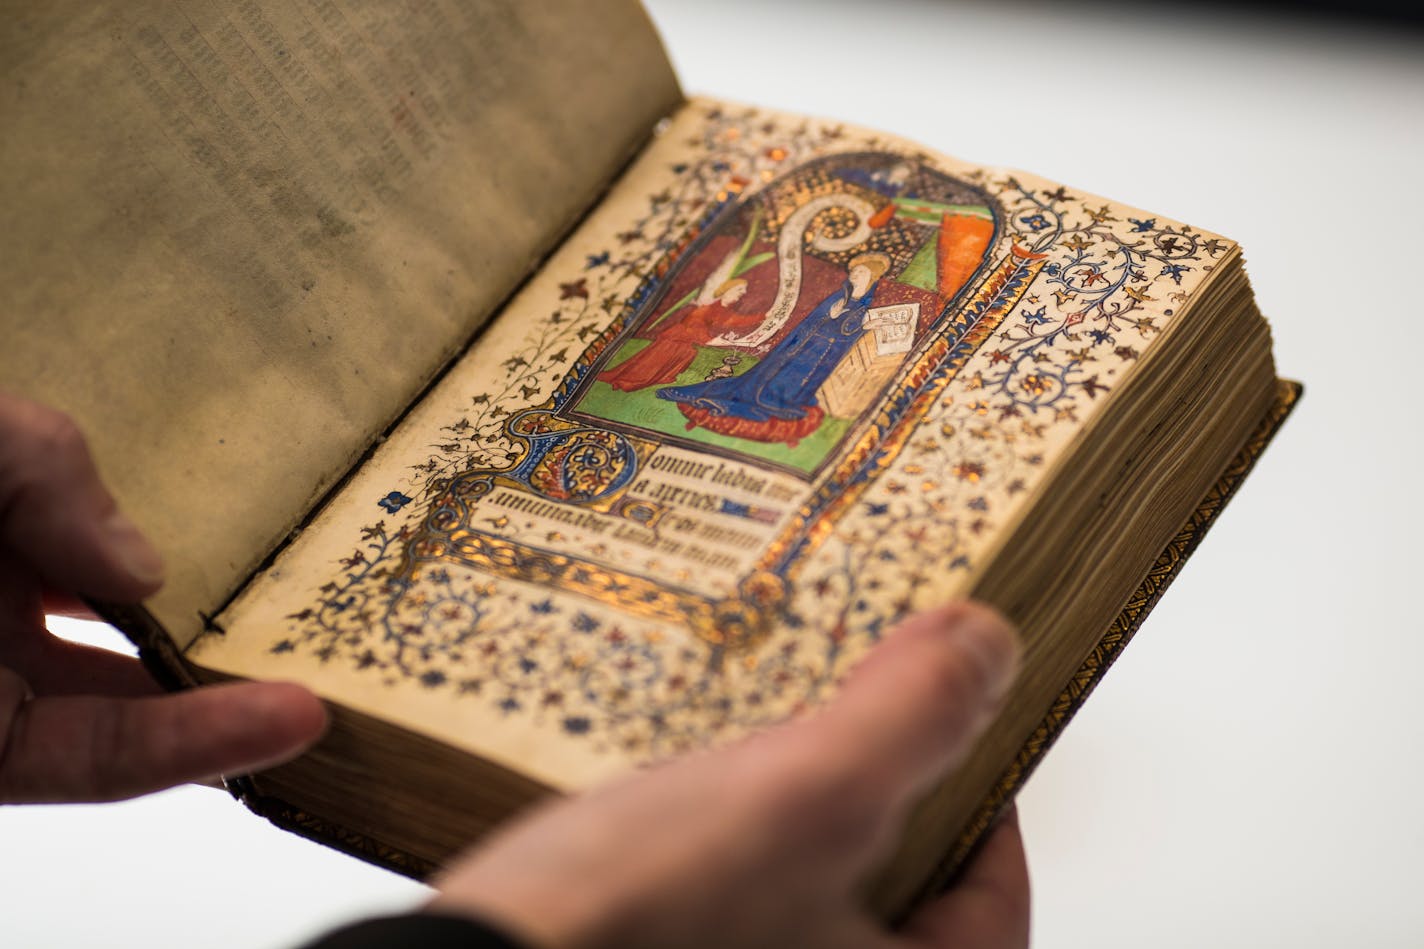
pixel 83 724
pixel 765 842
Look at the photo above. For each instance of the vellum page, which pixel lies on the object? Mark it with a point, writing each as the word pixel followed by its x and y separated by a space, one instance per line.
pixel 240 237
pixel 790 382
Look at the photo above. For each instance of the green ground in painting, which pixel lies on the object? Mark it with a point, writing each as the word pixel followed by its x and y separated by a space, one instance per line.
pixel 644 409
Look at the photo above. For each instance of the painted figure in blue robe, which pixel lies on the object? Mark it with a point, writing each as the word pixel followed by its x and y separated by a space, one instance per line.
pixel 775 400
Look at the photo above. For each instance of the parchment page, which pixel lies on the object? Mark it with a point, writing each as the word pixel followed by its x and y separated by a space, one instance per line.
pixel 790 382
pixel 240 237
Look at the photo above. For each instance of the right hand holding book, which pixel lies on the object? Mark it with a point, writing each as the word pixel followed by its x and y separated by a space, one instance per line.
pixel 767 842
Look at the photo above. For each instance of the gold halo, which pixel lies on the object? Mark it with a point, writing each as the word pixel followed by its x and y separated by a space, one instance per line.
pixel 876 263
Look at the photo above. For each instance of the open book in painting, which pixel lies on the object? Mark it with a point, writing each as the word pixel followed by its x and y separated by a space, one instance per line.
pixel 548 423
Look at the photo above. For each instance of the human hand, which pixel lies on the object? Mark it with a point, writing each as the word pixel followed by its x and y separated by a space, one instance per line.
pixel 85 724
pixel 765 843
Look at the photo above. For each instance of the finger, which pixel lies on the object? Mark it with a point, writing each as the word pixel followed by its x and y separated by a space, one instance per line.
pixel 914 707
pixel 56 514
pixel 49 664
pixel 989 907
pixel 58 603
pixel 59 750
pixel 54 666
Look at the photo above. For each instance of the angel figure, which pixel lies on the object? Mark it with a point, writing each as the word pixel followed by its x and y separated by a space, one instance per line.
pixel 676 343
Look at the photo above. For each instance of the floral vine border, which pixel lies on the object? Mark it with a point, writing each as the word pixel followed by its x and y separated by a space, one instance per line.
pixel 624 685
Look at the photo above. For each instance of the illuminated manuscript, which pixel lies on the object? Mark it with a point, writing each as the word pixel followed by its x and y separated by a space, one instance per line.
pixel 784 383
pixel 788 384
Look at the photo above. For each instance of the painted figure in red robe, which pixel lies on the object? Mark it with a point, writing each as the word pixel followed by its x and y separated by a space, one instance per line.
pixel 675 346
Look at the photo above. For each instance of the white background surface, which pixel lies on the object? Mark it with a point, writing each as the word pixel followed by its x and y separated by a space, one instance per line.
pixel 1248 775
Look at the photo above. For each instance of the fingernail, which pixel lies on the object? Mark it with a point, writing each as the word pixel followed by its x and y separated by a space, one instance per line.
pixel 991 641
pixel 132 550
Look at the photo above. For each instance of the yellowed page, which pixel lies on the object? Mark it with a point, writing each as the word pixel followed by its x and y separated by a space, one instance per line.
pixel 240 237
pixel 558 562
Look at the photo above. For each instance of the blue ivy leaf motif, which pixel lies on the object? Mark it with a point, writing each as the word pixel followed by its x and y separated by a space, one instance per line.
pixel 875 510
pixel 596 260
pixel 1174 271
pixel 510 704
pixel 1035 222
pixel 543 606
pixel 1146 225
pixel 394 501
pixel 527 665
pixel 1100 336
pixel 584 623
pixel 1037 317
pixel 1052 269
pixel 979 504
pixel 577 725
pixel 432 679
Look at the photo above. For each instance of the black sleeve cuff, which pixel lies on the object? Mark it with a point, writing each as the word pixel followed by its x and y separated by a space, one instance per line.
pixel 423 930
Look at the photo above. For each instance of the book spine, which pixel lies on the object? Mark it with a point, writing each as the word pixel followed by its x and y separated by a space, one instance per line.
pixel 156 649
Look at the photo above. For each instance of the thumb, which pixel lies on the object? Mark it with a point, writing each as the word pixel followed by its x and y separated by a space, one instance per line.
pixel 57 516
pixel 909 713
pixel 913 709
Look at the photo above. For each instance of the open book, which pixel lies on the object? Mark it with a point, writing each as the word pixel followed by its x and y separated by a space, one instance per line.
pixel 548 423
